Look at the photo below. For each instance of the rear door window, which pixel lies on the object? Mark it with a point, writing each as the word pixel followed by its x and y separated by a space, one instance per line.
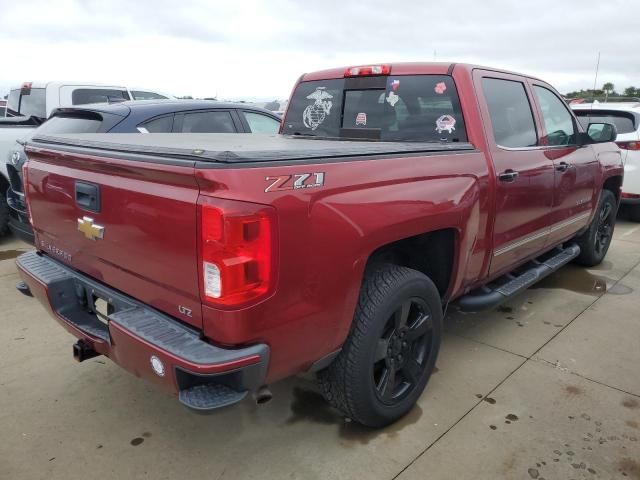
pixel 259 123
pixel 421 108
pixel 510 112
pixel 157 125
pixel 208 122
pixel 83 96
pixel 624 121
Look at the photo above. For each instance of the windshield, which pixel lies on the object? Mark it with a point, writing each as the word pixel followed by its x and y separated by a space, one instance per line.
pixel 31 104
pixel 422 108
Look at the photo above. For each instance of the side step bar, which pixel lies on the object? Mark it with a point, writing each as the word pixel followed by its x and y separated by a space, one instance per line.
pixel 488 297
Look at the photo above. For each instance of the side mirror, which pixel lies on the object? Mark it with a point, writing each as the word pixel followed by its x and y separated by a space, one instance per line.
pixel 600 133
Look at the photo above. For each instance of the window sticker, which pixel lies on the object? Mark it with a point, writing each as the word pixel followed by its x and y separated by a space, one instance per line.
pixel 392 98
pixel 392 86
pixel 445 122
pixel 441 87
pixel 361 119
pixel 315 114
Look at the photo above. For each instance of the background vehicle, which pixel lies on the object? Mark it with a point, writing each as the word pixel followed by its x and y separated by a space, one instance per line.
pixel 3 108
pixel 31 104
pixel 149 116
pixel 220 263
pixel 626 117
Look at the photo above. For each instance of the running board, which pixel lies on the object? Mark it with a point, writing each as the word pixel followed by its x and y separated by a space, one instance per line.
pixel 502 289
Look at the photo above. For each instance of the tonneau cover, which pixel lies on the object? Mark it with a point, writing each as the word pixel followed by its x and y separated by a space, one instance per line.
pixel 237 147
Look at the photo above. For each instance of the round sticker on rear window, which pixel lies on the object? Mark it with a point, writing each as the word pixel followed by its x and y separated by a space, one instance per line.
pixel 314 114
pixel 445 123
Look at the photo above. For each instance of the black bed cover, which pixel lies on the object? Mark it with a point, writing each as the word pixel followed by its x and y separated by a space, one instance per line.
pixel 234 147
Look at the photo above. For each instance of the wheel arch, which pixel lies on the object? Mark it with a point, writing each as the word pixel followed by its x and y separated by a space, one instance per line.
pixel 431 253
pixel 614 185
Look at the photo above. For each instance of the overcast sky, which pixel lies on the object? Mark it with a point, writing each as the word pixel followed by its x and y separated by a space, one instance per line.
pixel 257 49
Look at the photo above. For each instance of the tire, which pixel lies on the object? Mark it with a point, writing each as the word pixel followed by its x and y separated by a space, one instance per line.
pixel 595 242
pixel 4 215
pixel 391 350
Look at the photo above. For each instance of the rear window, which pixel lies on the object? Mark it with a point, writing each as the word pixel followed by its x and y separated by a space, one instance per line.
pixel 624 122
pixel 83 96
pixel 67 124
pixel 31 104
pixel 422 108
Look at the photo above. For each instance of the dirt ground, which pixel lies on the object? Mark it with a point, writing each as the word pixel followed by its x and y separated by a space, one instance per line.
pixel 545 387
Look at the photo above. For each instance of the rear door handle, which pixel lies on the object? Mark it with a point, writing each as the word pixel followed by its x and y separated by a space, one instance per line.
pixel 563 166
pixel 508 175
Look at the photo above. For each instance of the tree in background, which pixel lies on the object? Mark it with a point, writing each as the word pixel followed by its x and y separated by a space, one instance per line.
pixel 631 92
pixel 608 88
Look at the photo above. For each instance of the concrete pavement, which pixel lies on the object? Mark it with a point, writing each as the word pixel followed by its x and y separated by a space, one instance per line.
pixel 545 387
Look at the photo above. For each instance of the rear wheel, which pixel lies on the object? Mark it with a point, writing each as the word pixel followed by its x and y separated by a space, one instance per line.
pixel 391 350
pixel 595 242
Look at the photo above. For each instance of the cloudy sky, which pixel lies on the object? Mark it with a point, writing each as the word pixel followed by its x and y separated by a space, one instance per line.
pixel 257 49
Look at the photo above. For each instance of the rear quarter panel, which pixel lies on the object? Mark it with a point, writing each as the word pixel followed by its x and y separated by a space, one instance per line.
pixel 327 234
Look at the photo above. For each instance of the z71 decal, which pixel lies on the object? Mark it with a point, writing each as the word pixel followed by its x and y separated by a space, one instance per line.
pixel 294 182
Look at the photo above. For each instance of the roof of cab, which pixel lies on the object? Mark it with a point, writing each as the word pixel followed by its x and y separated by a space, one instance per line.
pixel 408 68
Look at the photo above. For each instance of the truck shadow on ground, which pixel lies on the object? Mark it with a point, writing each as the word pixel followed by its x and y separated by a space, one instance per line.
pixel 308 405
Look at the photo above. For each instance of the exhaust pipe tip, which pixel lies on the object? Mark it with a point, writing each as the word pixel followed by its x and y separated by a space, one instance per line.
pixel 263 395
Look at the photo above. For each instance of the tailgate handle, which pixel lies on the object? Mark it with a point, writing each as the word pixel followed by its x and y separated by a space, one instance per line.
pixel 88 196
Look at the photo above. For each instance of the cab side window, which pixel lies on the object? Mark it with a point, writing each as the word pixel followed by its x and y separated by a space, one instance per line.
pixel 157 125
pixel 558 122
pixel 259 123
pixel 208 122
pixel 510 112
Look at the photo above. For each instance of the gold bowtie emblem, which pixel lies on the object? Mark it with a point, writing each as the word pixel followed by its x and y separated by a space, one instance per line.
pixel 90 229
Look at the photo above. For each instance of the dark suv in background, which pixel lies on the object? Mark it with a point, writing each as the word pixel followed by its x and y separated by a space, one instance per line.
pixel 149 116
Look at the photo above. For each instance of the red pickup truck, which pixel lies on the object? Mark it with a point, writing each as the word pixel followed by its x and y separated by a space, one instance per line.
pixel 215 265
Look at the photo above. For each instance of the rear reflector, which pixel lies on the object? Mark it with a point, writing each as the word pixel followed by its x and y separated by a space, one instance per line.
pixel 630 195
pixel 633 145
pixel 367 70
pixel 237 251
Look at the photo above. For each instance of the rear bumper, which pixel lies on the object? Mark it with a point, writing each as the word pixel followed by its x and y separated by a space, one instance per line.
pixel 143 341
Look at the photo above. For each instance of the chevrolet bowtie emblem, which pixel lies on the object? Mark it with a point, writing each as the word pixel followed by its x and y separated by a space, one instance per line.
pixel 90 229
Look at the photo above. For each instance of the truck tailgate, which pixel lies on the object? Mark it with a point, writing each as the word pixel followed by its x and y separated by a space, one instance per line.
pixel 129 224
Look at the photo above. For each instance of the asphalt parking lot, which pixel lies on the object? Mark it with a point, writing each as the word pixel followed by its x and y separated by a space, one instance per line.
pixel 545 387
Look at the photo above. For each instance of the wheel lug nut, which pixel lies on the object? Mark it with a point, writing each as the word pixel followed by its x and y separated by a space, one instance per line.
pixel 404 344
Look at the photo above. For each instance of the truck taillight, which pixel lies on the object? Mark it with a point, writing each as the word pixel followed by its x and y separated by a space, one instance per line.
pixel 238 251
pixel 367 70
pixel 633 145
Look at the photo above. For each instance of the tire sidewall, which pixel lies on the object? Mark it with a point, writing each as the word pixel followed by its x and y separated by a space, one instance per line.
pixel 417 285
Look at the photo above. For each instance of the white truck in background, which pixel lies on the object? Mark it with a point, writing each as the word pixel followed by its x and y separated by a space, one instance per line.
pixel 30 104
